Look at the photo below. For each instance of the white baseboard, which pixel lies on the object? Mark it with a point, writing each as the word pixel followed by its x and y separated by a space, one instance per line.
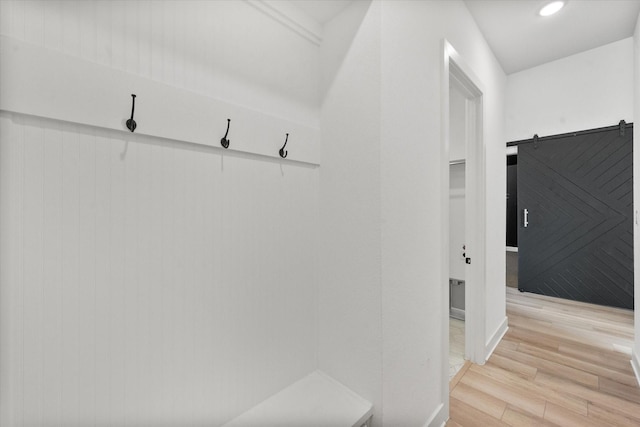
pixel 635 363
pixel 438 418
pixel 456 313
pixel 496 337
pixel 512 249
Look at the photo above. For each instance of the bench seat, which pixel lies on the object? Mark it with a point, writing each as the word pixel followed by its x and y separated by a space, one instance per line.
pixel 316 400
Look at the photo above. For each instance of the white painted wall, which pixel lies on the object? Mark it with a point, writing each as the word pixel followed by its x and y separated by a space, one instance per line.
pixel 636 197
pixel 381 280
pixel 411 188
pixel 584 91
pixel 349 292
pixel 145 281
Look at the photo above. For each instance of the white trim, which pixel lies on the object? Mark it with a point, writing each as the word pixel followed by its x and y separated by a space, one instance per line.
pixel 512 151
pixel 635 364
pixel 438 418
pixel 290 17
pixel 444 235
pixel 512 249
pixel 493 342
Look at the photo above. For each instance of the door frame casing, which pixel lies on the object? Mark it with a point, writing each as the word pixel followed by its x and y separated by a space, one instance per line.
pixel 453 66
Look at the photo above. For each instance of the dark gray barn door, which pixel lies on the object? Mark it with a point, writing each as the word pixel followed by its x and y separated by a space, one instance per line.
pixel 578 243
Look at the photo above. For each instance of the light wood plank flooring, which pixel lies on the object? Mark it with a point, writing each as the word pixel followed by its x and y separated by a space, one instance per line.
pixel 456 346
pixel 562 363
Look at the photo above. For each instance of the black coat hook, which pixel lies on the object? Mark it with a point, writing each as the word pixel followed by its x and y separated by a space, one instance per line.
pixel 131 124
pixel 224 141
pixel 283 153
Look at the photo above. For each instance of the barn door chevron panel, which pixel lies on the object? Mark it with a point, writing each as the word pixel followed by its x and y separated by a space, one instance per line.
pixel 576 193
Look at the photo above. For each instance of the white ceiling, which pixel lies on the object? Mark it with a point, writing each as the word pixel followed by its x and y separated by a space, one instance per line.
pixel 522 39
pixel 518 36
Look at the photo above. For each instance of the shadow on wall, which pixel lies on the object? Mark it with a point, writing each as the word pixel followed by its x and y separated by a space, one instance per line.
pixel 340 33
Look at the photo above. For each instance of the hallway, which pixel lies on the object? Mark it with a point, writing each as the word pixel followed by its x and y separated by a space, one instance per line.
pixel 561 363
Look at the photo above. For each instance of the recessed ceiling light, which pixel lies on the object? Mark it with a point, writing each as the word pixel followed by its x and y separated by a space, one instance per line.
pixel 551 8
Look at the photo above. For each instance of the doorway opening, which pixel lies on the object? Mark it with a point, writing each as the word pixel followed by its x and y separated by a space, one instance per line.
pixel 463 162
pixel 457 211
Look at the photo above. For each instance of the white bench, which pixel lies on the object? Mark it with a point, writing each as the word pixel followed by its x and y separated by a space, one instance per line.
pixel 317 400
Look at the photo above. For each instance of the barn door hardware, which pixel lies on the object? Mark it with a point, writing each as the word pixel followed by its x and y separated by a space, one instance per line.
pixel 623 126
pixel 283 153
pixel 535 141
pixel 525 219
pixel 224 141
pixel 131 124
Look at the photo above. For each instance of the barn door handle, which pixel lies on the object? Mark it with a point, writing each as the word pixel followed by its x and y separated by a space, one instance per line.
pixel 526 218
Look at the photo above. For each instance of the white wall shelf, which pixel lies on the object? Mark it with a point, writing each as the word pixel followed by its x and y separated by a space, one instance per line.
pixel 91 94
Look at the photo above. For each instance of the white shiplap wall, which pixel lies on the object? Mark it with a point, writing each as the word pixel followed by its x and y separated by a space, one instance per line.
pixel 225 49
pixel 145 281
pixel 148 282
